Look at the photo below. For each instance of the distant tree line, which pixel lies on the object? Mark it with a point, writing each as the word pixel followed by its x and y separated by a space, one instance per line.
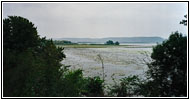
pixel 62 42
pixel 110 42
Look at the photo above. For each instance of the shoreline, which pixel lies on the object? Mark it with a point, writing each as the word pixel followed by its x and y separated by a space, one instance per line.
pixel 102 46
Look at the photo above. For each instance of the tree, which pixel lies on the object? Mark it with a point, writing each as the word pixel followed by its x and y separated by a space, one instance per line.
pixel 109 42
pixel 31 65
pixel 62 42
pixel 184 21
pixel 168 70
pixel 116 43
pixel 32 68
pixel 19 34
pixel 19 37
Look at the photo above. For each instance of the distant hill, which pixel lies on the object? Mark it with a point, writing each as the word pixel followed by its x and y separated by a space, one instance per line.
pixel 119 39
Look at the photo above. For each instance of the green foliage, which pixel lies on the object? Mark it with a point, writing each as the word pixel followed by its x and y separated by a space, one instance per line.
pixel 184 21
pixel 62 42
pixel 129 86
pixel 93 87
pixel 168 71
pixel 31 65
pixel 72 83
pixel 110 42
pixel 19 34
pixel 32 73
pixel 116 43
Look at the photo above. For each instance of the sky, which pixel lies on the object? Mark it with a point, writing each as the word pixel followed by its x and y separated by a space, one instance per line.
pixel 99 20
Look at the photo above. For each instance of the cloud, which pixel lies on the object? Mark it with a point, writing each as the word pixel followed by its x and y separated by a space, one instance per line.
pixel 56 20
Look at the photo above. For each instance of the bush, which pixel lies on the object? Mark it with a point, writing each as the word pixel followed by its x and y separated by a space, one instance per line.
pixel 72 83
pixel 128 86
pixel 116 43
pixel 93 87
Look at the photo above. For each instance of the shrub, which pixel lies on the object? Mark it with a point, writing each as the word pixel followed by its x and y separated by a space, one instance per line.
pixel 93 87
pixel 128 86
pixel 116 43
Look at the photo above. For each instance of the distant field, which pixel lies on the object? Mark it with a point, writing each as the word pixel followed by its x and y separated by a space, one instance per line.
pixel 102 46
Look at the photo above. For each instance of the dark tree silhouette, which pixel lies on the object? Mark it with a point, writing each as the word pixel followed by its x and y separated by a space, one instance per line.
pixel 169 67
pixel 109 42
pixel 30 64
pixel 184 21
pixel 19 34
pixel 116 43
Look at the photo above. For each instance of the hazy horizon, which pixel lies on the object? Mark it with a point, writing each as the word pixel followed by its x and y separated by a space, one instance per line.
pixel 110 37
pixel 101 20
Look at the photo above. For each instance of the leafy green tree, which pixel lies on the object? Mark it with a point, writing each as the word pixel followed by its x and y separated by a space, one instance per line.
pixel 110 42
pixel 19 37
pixel 31 65
pixel 19 34
pixel 168 71
pixel 116 43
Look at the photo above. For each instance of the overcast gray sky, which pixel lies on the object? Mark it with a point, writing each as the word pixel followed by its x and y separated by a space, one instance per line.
pixel 97 20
